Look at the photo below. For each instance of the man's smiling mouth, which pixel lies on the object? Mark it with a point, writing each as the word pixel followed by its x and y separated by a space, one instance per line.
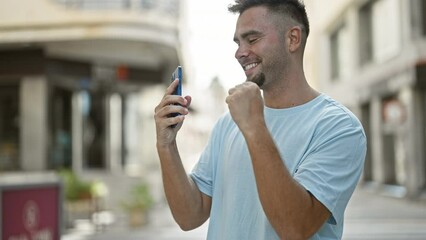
pixel 250 66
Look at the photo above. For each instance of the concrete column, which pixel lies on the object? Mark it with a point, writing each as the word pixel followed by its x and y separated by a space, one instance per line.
pixel 377 142
pixel 132 125
pixel 114 133
pixel 33 121
pixel 415 144
pixel 78 107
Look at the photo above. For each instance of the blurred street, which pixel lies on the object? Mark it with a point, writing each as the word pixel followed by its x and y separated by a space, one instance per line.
pixel 368 216
pixel 371 216
pixel 80 79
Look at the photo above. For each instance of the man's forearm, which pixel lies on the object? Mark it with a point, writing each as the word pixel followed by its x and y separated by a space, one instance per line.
pixel 291 210
pixel 183 196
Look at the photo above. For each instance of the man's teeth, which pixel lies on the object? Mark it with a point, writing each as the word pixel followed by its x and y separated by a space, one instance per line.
pixel 250 66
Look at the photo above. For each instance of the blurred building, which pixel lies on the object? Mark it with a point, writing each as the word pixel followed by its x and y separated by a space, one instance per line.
pixel 79 80
pixel 371 56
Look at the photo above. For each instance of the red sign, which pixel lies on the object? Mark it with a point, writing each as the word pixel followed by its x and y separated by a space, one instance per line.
pixel 30 214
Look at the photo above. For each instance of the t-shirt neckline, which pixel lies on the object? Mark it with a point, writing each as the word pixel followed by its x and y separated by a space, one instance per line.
pixel 295 109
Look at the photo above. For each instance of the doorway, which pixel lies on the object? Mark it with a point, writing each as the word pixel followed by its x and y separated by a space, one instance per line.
pixel 368 165
pixel 60 154
pixel 9 127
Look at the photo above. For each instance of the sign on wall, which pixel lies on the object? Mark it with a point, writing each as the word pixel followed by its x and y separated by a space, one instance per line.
pixel 30 212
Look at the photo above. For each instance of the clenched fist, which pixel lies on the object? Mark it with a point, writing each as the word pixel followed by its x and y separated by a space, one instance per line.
pixel 245 104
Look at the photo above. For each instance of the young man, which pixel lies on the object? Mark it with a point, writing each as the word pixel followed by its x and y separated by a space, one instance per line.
pixel 278 166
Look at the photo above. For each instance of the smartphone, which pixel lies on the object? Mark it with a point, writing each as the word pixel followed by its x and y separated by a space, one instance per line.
pixel 177 74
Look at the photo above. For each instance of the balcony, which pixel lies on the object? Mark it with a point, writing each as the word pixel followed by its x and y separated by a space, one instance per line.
pixel 163 7
pixel 134 32
pixel 45 20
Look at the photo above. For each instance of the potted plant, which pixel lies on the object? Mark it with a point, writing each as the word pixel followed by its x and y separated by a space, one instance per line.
pixel 75 188
pixel 138 202
pixel 78 195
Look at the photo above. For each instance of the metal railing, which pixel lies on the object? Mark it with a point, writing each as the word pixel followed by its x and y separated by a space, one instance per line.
pixel 170 7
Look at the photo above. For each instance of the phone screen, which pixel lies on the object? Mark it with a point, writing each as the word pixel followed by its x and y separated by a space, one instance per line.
pixel 177 74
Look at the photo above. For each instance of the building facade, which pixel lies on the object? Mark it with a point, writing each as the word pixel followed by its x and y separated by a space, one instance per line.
pixel 370 55
pixel 78 82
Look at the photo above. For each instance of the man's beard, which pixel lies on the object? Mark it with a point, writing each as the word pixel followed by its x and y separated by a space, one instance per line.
pixel 259 79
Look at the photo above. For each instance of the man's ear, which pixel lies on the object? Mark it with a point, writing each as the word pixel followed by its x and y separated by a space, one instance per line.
pixel 294 38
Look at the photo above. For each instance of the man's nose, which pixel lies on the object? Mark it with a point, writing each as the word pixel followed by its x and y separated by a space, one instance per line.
pixel 241 52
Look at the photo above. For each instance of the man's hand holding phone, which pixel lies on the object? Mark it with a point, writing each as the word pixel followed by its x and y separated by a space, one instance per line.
pixel 170 113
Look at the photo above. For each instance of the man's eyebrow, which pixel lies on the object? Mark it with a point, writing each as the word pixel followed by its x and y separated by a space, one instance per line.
pixel 247 34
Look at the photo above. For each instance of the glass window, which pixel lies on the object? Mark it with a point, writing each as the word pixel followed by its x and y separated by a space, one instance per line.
pixel 94 131
pixel 423 11
pixel 9 127
pixel 386 29
pixel 339 52
pixel 60 124
pixel 365 34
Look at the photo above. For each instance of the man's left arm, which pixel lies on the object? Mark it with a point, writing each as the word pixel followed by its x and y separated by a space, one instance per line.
pixel 292 211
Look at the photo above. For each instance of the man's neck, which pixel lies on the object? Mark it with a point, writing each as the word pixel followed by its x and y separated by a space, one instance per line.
pixel 291 94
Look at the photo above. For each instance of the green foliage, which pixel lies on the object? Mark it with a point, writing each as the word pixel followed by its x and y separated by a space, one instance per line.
pixel 139 198
pixel 75 188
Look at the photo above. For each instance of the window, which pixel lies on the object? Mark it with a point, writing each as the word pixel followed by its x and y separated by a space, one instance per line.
pixel 94 130
pixel 9 128
pixel 423 11
pixel 339 52
pixel 96 4
pixel 379 31
pixel 60 129
pixel 386 29
pixel 334 55
pixel 365 34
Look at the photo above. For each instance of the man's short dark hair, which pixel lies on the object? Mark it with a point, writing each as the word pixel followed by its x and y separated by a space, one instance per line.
pixel 291 8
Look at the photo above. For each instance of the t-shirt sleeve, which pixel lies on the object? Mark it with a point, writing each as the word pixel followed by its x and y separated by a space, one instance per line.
pixel 203 172
pixel 332 168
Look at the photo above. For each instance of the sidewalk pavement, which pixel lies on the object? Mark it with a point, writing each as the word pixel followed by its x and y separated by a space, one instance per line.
pixel 160 226
pixel 368 216
pixel 372 216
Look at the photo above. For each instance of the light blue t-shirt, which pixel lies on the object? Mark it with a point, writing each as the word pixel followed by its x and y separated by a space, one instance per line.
pixel 323 146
